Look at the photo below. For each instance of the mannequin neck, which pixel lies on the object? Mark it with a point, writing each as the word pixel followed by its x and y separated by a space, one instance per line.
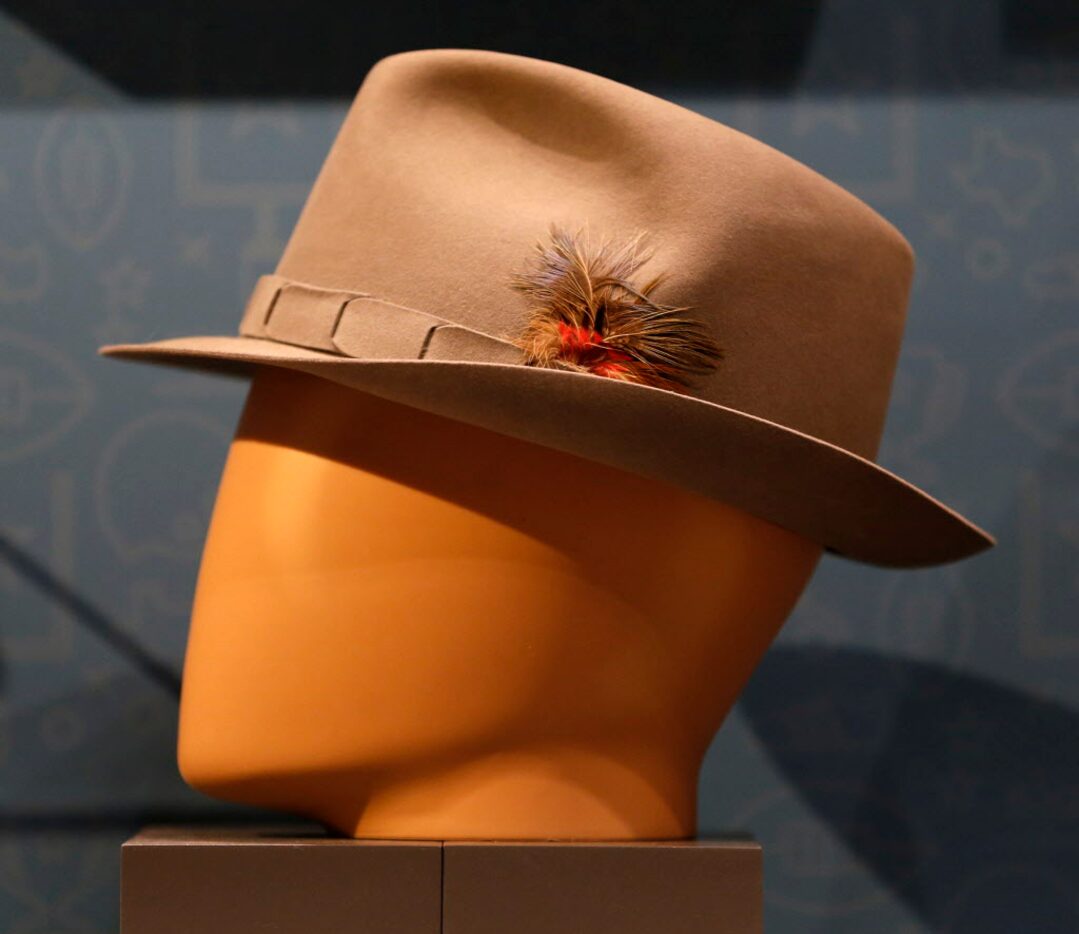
pixel 548 793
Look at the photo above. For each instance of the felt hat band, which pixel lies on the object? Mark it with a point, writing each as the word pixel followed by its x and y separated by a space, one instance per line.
pixel 355 324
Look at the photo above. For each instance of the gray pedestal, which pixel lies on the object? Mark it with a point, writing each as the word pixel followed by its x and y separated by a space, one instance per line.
pixel 259 879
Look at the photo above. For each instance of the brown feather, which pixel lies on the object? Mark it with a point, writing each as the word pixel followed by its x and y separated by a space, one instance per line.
pixel 588 315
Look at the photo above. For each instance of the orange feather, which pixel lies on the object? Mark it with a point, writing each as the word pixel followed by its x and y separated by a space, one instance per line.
pixel 588 315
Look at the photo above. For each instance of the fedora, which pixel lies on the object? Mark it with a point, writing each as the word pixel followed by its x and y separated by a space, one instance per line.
pixel 557 257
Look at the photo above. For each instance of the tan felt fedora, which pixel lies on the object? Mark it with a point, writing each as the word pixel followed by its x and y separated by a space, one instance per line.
pixel 718 316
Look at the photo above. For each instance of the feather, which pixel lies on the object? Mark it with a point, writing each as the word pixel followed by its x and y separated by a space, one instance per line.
pixel 587 315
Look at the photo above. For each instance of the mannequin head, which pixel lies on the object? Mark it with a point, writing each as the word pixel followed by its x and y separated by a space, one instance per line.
pixel 406 626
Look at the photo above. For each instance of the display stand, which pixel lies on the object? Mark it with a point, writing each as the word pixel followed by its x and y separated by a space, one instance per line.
pixel 240 880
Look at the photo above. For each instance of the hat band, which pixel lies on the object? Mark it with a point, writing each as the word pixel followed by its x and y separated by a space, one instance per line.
pixel 355 324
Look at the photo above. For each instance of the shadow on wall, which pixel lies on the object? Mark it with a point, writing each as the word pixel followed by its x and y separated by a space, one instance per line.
pixel 295 48
pixel 966 794
pixel 101 757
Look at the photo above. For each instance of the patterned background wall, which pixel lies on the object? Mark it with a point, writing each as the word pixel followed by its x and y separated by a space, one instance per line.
pixel 908 752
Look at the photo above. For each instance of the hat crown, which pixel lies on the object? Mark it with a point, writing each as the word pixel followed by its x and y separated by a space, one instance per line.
pixel 451 165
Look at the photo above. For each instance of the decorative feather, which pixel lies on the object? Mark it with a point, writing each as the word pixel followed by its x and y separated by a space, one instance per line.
pixel 588 315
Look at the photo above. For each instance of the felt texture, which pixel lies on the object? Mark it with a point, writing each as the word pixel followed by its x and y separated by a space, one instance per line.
pixel 362 326
pixel 447 170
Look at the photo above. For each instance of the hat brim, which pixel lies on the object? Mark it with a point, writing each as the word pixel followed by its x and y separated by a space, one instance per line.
pixel 851 505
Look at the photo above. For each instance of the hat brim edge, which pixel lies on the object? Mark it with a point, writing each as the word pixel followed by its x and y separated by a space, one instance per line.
pixel 851 505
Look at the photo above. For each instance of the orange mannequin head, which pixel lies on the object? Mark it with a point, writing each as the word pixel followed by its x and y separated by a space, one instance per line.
pixel 408 627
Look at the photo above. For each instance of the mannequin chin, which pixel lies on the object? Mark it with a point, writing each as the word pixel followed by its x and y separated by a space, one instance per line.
pixel 408 627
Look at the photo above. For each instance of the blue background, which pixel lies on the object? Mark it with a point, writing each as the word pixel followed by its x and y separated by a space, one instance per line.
pixel 908 752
